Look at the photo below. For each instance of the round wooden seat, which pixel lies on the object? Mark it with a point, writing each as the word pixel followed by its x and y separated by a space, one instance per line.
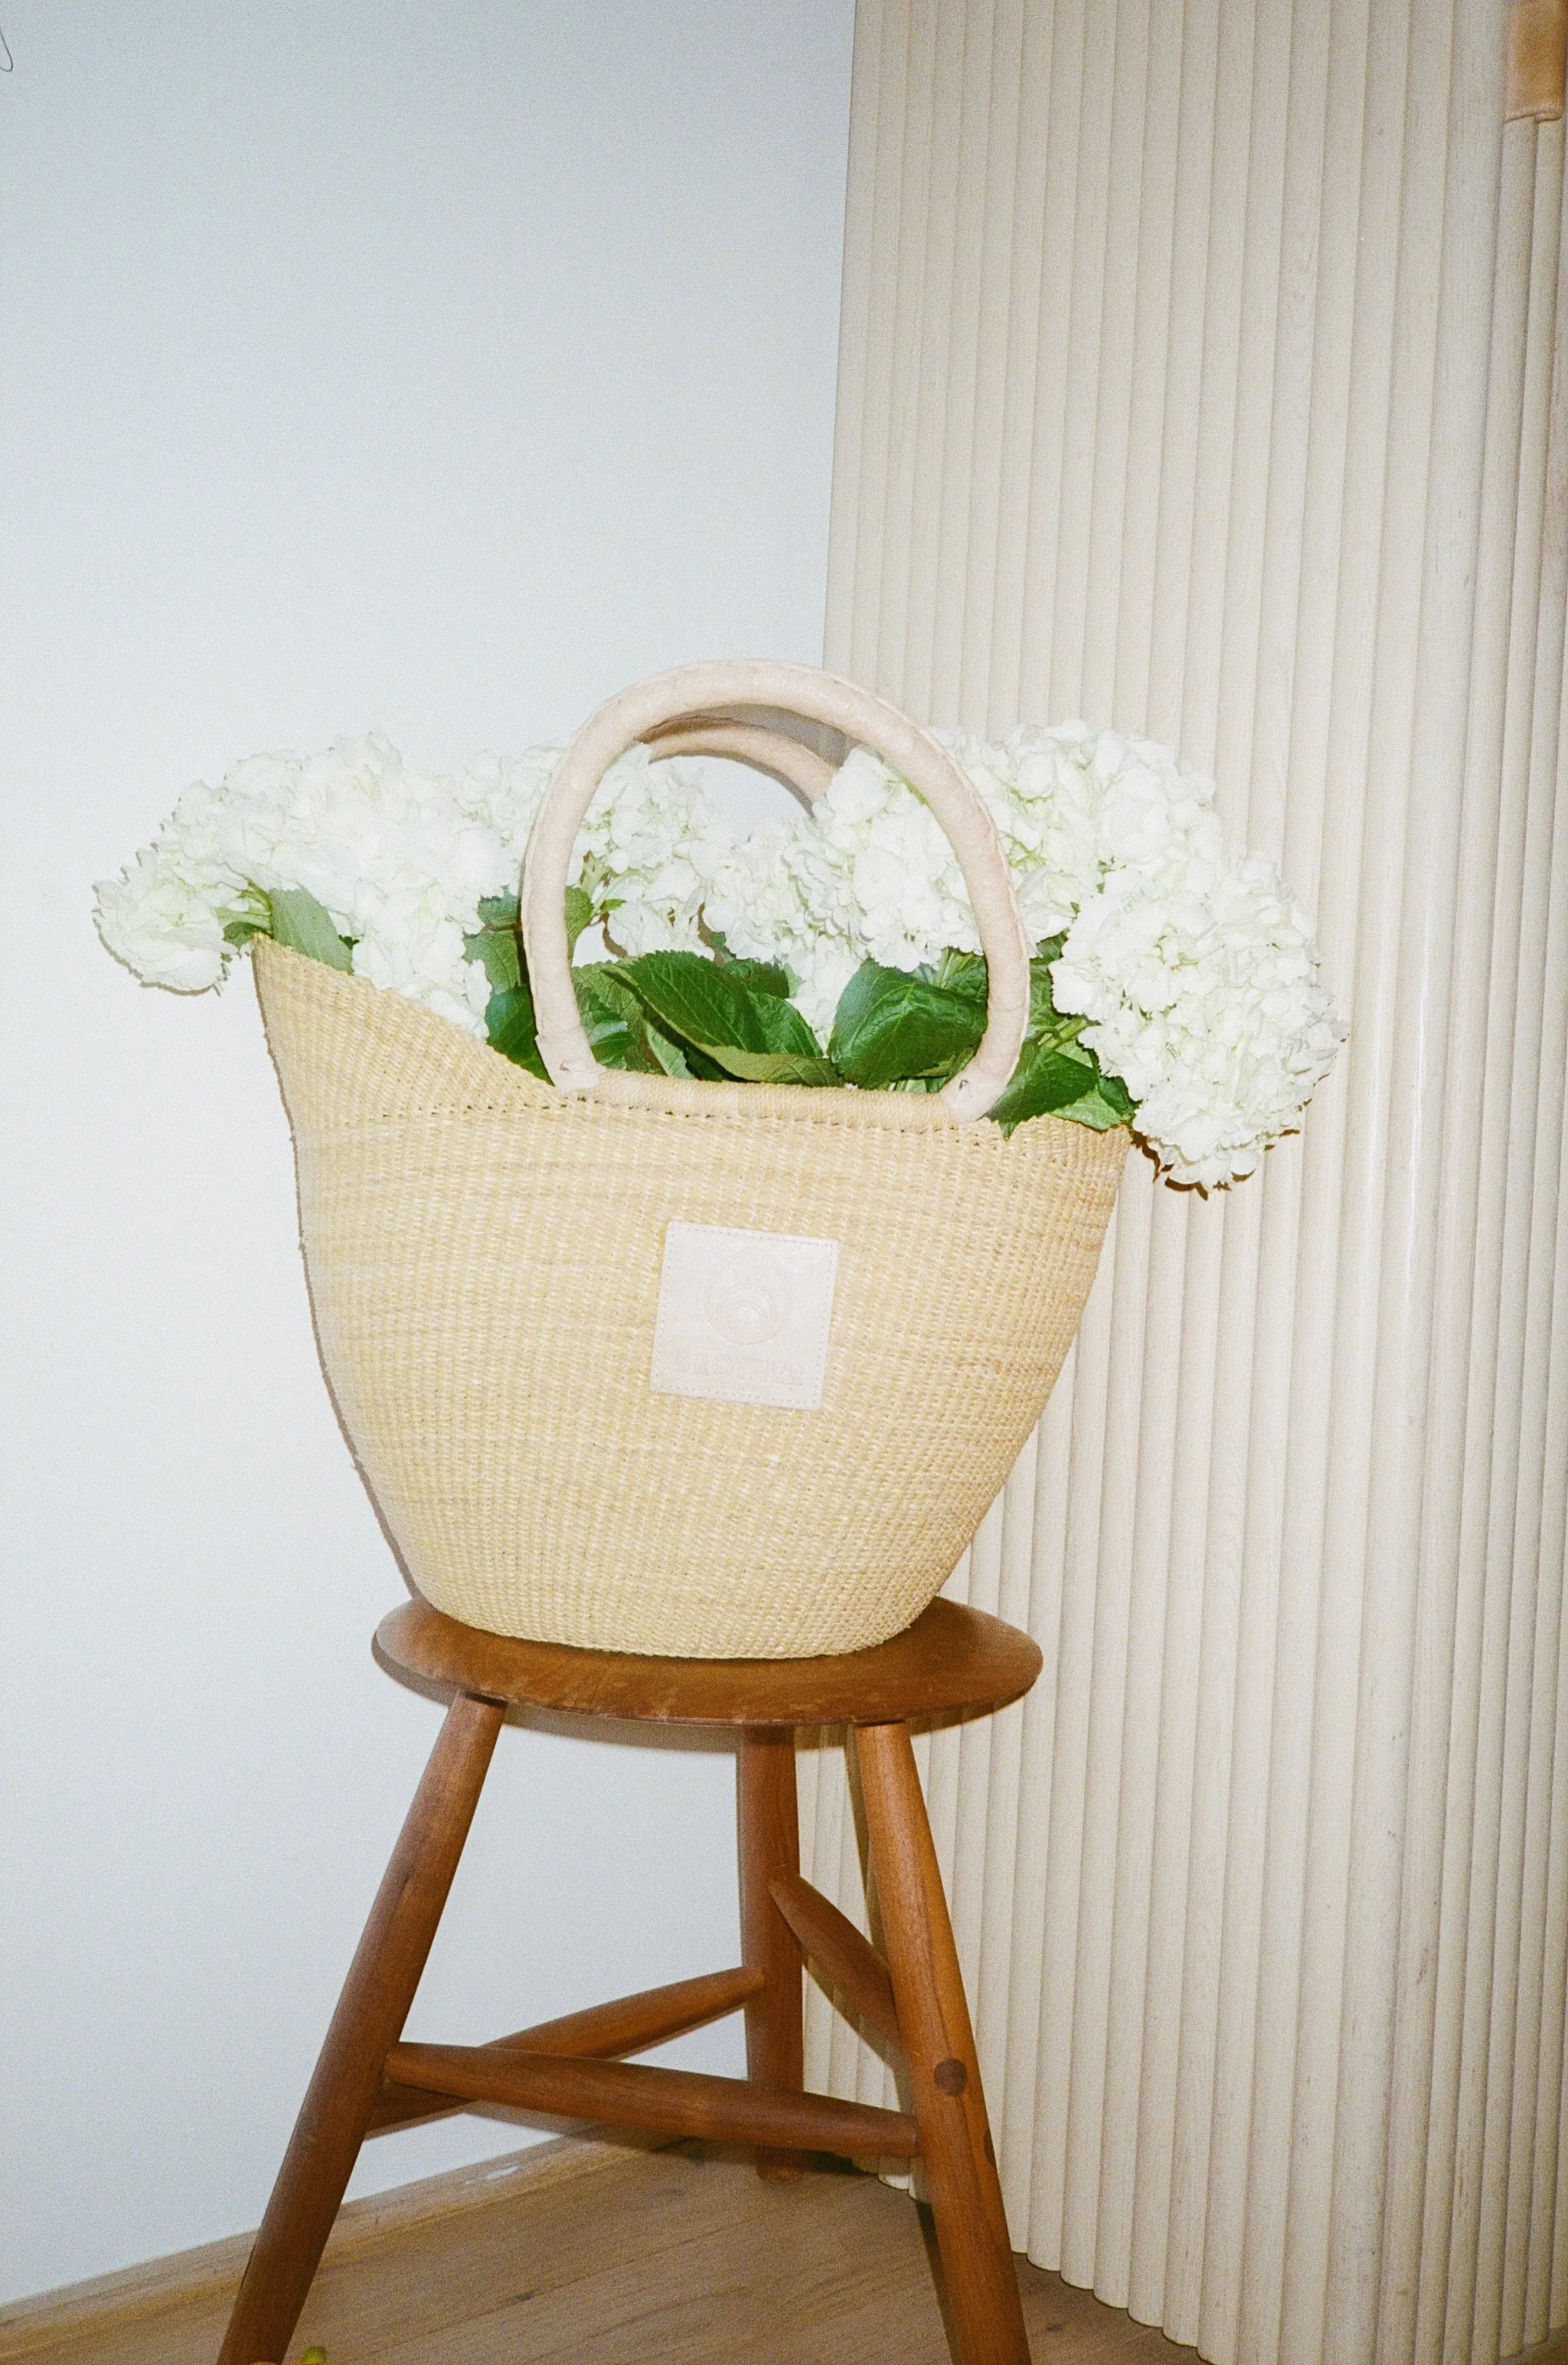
pixel 950 1659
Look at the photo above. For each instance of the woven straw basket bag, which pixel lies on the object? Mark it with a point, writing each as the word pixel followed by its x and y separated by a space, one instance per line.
pixel 487 1255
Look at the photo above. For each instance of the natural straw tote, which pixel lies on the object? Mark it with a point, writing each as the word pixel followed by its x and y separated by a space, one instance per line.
pixel 486 1254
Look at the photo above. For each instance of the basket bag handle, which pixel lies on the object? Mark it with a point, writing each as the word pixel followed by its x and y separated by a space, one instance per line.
pixel 800 767
pixel 641 712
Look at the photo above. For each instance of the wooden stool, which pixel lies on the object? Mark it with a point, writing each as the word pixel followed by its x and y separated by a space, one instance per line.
pixel 951 1659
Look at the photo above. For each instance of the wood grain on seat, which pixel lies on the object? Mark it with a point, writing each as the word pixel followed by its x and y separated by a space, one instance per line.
pixel 952 1658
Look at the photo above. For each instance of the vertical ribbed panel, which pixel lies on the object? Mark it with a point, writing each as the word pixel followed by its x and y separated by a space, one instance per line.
pixel 1200 375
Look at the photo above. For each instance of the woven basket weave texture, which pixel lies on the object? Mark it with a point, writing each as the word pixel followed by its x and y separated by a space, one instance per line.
pixel 484 1255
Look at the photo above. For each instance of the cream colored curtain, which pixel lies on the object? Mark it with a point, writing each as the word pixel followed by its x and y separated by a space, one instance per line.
pixel 1201 374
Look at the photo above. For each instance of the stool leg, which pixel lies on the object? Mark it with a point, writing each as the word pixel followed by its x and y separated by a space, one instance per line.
pixel 939 2043
pixel 769 1821
pixel 367 2022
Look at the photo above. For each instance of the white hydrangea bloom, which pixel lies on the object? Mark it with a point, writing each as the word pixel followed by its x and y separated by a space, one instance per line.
pixel 389 853
pixel 869 872
pixel 1203 996
pixel 400 861
pixel 648 844
pixel 503 793
pixel 1195 969
pixel 164 915
pixel 164 925
pixel 776 897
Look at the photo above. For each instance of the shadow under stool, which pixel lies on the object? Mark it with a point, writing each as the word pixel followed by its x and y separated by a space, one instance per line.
pixel 951 1661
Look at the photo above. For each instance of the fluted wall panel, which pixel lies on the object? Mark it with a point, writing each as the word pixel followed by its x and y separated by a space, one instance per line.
pixel 1202 374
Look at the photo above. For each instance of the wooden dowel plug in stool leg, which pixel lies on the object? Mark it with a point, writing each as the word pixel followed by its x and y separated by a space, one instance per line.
pixel 938 2044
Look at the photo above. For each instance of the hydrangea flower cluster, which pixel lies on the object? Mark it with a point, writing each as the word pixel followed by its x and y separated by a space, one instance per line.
pixel 869 875
pixel 1195 972
pixel 401 861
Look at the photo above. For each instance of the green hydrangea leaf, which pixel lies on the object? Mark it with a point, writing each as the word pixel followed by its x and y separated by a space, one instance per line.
pixel 306 926
pixel 785 1028
pixel 622 1034
pixel 676 1059
pixel 1109 1104
pixel 1066 1081
pixel 1044 1017
pixel 498 948
pixel 773 1067
pixel 962 973
pixel 579 913
pixel 686 1013
pixel 727 1024
pixel 498 943
pixel 966 973
pixel 614 1019
pixel 891 1026
pixel 251 916
pixel 761 976
pixel 708 1005
pixel 511 1026
pixel 1044 1082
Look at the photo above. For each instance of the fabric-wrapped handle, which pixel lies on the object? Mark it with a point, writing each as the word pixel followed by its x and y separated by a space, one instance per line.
pixel 799 766
pixel 640 712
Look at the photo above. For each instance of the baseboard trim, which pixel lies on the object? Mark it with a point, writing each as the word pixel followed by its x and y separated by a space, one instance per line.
pixel 36 2327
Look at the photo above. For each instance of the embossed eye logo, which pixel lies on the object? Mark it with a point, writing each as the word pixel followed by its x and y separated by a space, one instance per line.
pixel 748 1303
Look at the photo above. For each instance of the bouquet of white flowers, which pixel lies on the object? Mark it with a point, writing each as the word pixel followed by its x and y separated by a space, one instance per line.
pixel 1175 982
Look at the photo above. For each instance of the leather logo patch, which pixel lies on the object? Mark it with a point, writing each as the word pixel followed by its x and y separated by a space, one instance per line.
pixel 743 1316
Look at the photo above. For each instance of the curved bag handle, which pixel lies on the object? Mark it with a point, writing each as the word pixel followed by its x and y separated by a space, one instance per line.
pixel 799 766
pixel 640 712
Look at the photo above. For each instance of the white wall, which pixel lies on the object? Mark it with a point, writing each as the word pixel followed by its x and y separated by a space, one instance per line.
pixel 438 368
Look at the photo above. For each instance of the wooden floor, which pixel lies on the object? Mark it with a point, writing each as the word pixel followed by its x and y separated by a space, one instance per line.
pixel 676 2255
